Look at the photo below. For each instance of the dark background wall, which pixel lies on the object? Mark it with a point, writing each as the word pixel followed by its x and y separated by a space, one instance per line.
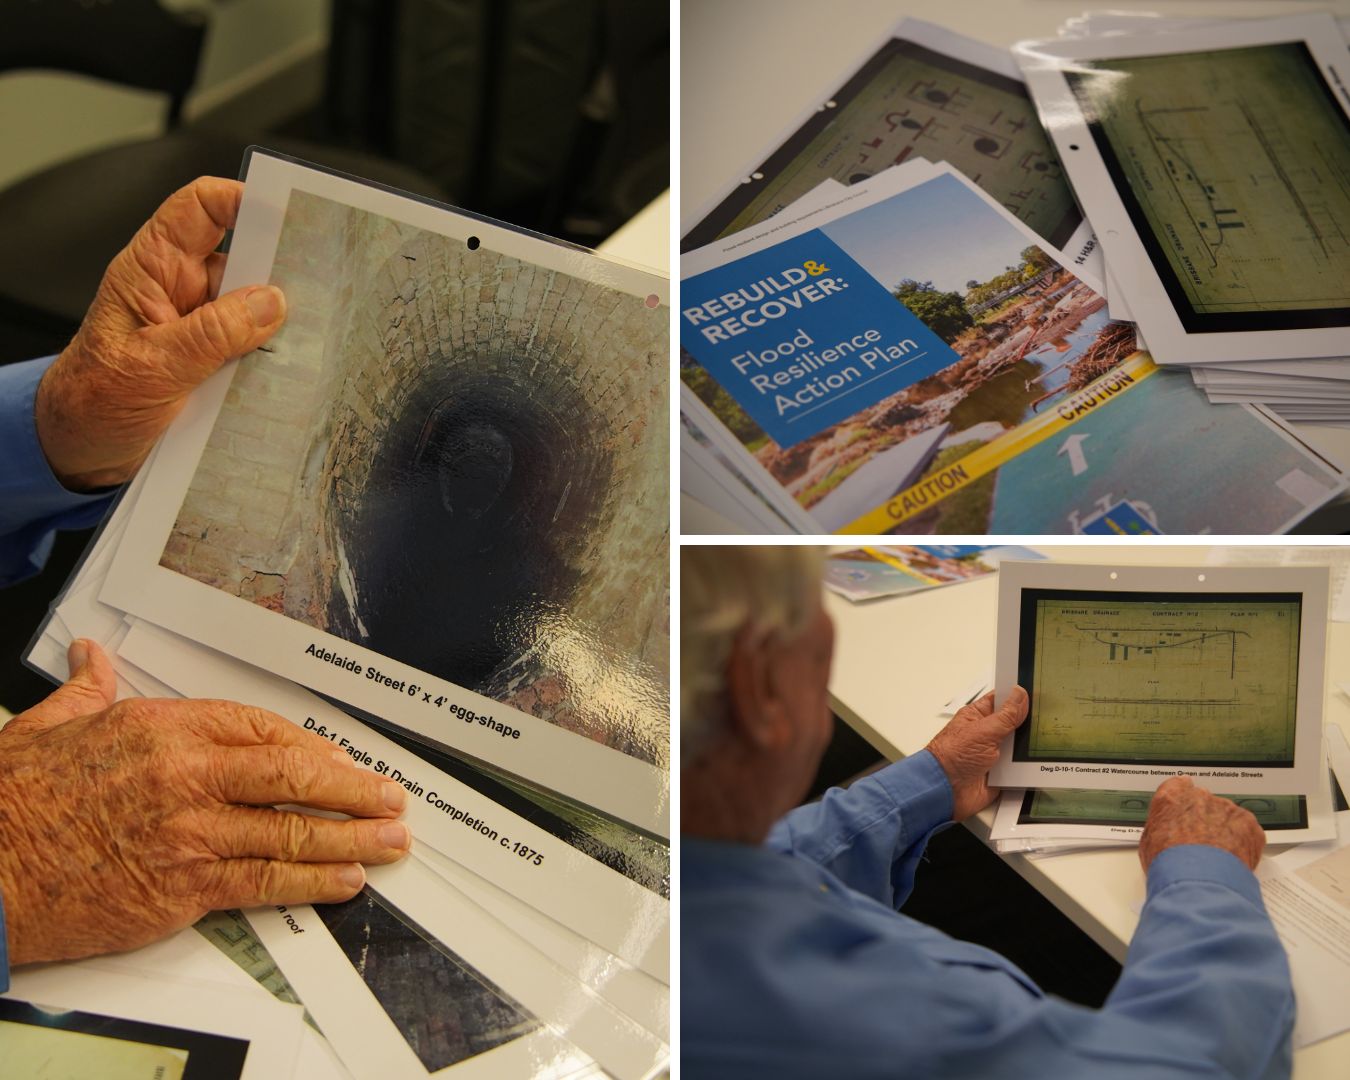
pixel 550 114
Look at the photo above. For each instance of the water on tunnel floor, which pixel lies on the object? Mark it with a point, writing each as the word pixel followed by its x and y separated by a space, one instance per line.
pixel 470 531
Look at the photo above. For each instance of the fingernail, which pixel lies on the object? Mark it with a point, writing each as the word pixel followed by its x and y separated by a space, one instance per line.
pixel 77 655
pixel 342 756
pixel 395 798
pixel 353 876
pixel 265 305
pixel 395 835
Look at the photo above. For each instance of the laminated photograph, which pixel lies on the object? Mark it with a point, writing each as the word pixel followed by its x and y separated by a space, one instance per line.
pixel 1212 162
pixel 439 493
pixel 500 846
pixel 1139 673
pixel 411 978
pixel 75 1020
pixel 922 91
pixel 907 356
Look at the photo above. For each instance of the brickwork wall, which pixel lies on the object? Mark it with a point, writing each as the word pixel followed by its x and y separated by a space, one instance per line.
pixel 376 307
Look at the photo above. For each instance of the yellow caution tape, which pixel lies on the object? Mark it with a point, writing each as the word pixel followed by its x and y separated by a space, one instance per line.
pixel 933 489
pixel 891 560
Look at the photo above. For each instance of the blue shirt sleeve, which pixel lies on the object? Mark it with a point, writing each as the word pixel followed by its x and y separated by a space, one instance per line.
pixel 33 503
pixel 871 835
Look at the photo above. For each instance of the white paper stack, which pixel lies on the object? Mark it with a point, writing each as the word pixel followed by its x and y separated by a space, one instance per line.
pixel 1210 156
pixel 1065 386
pixel 527 932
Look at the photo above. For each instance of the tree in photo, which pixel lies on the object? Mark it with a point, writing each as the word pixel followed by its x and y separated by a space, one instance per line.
pixel 944 313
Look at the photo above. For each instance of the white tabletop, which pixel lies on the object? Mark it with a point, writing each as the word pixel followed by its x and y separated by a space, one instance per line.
pixel 749 67
pixel 899 660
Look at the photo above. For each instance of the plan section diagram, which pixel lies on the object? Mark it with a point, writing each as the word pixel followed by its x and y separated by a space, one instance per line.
pixel 1235 168
pixel 1129 677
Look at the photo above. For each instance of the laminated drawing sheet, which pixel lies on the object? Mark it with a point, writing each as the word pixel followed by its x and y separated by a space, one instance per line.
pixel 1207 160
pixel 920 91
pixel 1085 815
pixel 596 903
pixel 438 494
pixel 1137 674
pixel 77 1020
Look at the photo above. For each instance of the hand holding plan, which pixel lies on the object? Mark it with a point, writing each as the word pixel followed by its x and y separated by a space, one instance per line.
pixel 120 823
pixel 1182 813
pixel 968 747
pixel 152 334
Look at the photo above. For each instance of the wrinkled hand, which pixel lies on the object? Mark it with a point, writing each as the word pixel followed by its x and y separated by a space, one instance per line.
pixel 968 747
pixel 1182 813
pixel 121 823
pixel 152 334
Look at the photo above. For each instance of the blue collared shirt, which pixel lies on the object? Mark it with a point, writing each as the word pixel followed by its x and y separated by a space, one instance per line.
pixel 33 505
pixel 795 963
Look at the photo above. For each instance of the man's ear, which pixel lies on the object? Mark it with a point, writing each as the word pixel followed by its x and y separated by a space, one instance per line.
pixel 756 713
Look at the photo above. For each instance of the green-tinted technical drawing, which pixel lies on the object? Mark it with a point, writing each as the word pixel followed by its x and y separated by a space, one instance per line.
pixel 1081 807
pixel 1161 679
pixel 910 102
pixel 230 932
pixel 1235 166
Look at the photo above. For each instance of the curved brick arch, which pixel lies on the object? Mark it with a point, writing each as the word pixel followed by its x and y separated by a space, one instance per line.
pixel 393 324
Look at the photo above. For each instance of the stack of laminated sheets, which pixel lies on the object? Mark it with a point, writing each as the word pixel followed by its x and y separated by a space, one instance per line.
pixel 427 522
pixel 1082 286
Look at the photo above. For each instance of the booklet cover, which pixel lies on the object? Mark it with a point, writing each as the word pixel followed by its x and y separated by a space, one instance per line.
pixel 870 572
pixel 907 356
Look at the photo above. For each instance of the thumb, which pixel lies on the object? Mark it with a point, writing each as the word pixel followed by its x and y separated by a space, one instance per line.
pixel 92 687
pixel 1013 711
pixel 229 326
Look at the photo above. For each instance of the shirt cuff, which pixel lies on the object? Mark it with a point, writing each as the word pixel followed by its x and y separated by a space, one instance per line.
pixel 1202 862
pixel 920 788
pixel 29 490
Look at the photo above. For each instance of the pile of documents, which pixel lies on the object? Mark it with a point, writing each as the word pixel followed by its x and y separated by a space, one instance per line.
pixel 526 934
pixel 1068 288
pixel 1210 157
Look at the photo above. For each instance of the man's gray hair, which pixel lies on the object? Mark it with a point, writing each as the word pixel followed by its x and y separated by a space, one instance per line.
pixel 765 591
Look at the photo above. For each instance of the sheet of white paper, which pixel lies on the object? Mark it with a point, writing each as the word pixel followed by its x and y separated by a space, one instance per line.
pixel 575 890
pixel 1316 935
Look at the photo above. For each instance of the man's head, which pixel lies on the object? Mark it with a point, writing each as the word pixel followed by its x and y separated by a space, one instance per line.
pixel 755 651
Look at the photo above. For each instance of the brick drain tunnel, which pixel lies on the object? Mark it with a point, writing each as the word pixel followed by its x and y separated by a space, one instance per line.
pixel 457 458
pixel 477 474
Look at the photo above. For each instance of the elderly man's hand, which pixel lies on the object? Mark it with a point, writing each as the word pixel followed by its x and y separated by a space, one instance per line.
pixel 152 334
pixel 1182 813
pixel 121 823
pixel 968 747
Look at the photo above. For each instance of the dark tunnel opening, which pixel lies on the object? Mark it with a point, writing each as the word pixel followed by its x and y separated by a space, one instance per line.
pixel 483 494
